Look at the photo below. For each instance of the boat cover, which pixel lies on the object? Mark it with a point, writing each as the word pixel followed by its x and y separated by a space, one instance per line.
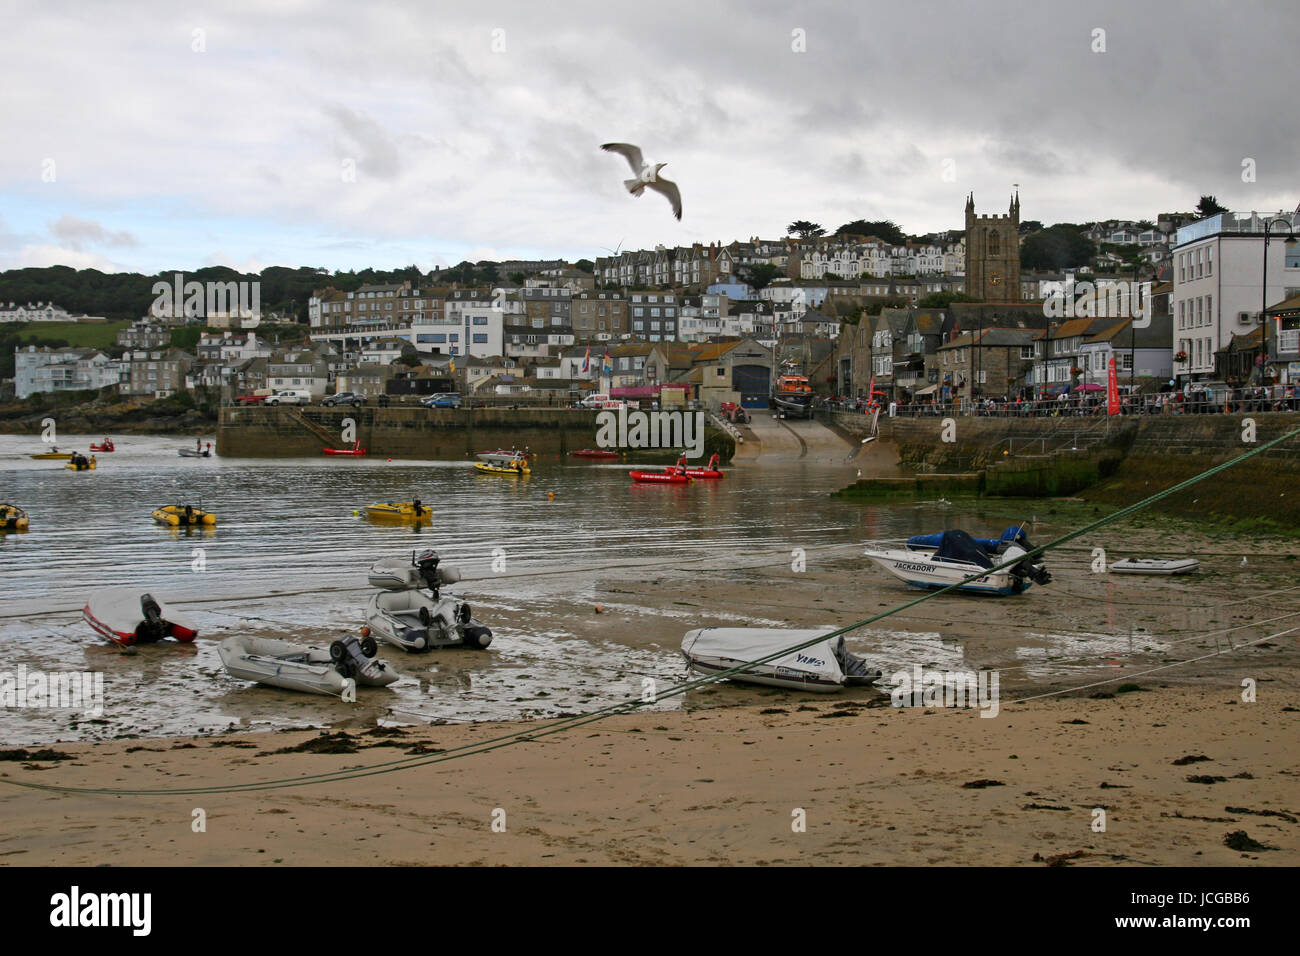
pixel 957 545
pixel 1014 534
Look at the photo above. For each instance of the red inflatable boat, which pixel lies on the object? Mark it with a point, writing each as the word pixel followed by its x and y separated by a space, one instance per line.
pixel 660 477
pixel 356 451
pixel 106 445
pixel 708 471
pixel 127 617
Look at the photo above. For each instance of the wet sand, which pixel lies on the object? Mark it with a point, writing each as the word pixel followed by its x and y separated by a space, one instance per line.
pixel 876 784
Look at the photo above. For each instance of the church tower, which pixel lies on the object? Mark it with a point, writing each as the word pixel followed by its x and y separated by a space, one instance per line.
pixel 993 253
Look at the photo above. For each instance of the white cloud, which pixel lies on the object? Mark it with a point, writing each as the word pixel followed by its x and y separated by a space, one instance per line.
pixel 457 148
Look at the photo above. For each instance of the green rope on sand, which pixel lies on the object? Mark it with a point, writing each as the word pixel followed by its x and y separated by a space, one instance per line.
pixel 570 723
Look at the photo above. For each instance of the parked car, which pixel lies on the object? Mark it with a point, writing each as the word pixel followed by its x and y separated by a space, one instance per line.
pixel 354 399
pixel 441 400
pixel 249 399
pixel 289 396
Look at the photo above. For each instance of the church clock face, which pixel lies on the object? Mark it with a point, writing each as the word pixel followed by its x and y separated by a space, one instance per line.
pixel 995 278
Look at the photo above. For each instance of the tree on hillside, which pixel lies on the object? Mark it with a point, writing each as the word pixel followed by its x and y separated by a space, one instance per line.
pixel 805 229
pixel 1029 226
pixel 885 229
pixel 517 278
pixel 761 274
pixel 1209 206
pixel 1057 247
pixel 586 265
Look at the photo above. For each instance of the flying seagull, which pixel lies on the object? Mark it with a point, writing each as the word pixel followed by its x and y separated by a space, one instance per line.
pixel 646 175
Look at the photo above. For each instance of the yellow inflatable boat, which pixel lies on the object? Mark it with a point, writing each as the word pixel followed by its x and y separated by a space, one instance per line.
pixel 400 511
pixel 12 518
pixel 518 466
pixel 181 515
pixel 82 464
pixel 53 453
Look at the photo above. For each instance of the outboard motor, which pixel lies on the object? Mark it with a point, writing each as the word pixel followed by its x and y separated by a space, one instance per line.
pixel 428 565
pixel 153 627
pixel 1026 568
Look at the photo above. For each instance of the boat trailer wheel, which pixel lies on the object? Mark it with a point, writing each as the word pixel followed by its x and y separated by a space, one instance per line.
pixel 464 613
pixel 338 652
pixel 369 647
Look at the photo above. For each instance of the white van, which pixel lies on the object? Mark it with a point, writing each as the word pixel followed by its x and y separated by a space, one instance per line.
pixel 595 401
pixel 289 396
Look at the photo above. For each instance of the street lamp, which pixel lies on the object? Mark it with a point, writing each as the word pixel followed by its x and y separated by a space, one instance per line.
pixel 1263 310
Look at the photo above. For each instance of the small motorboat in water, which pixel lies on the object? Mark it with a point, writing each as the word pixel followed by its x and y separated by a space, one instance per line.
pixel 182 515
pixel 331 671
pixel 356 451
pixel 502 456
pixel 105 445
pixel 959 560
pixel 399 511
pixel 669 477
pixel 1154 566
pixel 710 470
pixel 203 452
pixel 410 612
pixel 53 454
pixel 602 454
pixel 12 518
pixel 81 463
pixel 824 667
pixel 515 466
pixel 126 617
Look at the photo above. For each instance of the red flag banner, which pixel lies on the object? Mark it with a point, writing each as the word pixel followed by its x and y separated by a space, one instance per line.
pixel 1112 388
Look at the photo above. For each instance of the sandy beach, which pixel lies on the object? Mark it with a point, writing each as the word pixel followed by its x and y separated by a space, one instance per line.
pixel 878 785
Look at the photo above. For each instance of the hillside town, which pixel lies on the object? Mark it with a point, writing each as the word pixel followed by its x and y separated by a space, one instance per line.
pixel 953 317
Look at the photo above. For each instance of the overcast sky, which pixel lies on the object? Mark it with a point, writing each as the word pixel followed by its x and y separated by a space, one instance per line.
pixel 160 135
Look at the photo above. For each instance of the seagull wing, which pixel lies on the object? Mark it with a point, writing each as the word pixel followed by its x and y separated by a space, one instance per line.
pixel 629 152
pixel 669 189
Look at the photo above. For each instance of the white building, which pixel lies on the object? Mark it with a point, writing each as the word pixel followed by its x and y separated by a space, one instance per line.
pixel 1218 273
pixel 61 370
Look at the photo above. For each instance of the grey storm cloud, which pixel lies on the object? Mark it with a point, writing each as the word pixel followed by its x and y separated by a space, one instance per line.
pixel 368 142
pixel 78 233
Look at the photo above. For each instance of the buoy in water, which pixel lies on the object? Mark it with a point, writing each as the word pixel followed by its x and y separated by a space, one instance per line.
pixel 550 494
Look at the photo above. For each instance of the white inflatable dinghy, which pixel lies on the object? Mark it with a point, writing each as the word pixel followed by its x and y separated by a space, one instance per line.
pixel 1154 566
pixel 313 670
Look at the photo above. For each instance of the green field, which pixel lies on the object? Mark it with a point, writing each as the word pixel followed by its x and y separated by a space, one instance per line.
pixel 93 335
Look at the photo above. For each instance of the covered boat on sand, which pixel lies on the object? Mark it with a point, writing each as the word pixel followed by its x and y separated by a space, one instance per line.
pixel 824 667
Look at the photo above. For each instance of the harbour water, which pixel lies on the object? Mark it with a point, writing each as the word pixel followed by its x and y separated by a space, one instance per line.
pixel 538 555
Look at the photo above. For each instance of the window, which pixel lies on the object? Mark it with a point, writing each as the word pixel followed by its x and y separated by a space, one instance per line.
pixel 1209 310
pixel 1209 261
pixel 1293 256
pixel 480 320
pixel 1026 351
pixel 1126 361
pixel 480 338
